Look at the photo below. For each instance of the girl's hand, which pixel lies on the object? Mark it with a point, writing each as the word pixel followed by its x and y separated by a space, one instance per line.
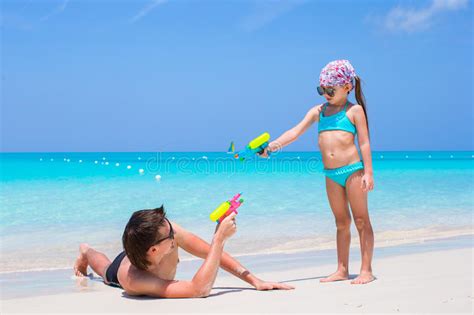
pixel 264 154
pixel 272 147
pixel 367 182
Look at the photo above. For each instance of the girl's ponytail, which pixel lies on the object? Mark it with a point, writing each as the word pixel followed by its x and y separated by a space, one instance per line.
pixel 360 98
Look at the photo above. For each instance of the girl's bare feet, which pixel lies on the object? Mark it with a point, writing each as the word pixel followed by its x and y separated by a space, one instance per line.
pixel 363 278
pixel 339 275
pixel 80 267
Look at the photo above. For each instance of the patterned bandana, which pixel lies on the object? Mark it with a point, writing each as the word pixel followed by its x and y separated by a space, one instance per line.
pixel 337 73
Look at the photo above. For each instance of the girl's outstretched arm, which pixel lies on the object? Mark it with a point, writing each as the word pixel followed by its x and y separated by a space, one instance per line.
pixel 292 134
pixel 364 145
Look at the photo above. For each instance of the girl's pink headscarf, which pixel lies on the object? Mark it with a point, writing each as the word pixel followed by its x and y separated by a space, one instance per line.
pixel 337 72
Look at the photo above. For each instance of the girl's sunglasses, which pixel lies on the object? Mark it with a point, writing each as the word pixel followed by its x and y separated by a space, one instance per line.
pixel 329 91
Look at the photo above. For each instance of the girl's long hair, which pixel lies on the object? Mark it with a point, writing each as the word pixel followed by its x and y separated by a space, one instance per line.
pixel 361 99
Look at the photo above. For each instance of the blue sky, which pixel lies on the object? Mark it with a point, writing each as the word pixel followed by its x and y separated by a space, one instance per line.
pixel 194 75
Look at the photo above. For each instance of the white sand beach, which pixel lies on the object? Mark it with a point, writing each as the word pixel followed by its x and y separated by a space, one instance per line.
pixel 429 282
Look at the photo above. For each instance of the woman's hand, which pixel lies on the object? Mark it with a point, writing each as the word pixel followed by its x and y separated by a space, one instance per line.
pixel 261 285
pixel 227 227
pixel 367 182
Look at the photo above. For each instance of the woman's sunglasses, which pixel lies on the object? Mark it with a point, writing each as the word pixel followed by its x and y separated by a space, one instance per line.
pixel 329 91
pixel 170 236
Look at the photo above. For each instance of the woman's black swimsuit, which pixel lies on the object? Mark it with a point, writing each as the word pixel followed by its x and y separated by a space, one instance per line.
pixel 111 273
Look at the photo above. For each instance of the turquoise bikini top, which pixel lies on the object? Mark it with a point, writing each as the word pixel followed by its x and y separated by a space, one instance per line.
pixel 338 121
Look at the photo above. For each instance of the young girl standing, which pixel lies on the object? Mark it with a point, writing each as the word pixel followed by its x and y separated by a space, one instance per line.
pixel 348 178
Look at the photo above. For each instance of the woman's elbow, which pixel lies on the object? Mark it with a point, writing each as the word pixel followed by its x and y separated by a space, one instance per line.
pixel 202 292
pixel 187 294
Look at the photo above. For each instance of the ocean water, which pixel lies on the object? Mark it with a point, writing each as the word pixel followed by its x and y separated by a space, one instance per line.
pixel 51 202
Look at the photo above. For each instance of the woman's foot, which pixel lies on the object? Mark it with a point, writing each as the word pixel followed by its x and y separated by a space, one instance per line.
pixel 339 275
pixel 363 278
pixel 80 267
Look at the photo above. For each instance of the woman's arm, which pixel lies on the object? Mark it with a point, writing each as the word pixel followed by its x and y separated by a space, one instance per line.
pixel 292 134
pixel 364 145
pixel 198 247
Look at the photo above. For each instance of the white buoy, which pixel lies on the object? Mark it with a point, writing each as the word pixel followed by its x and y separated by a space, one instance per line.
pixel 52 160
pixel 117 164
pixel 96 162
pixel 141 171
pixel 406 156
pixel 158 177
pixel 381 156
pixel 174 157
pixel 80 161
pixel 64 159
pixel 451 156
pixel 429 156
pixel 139 158
pixel 129 167
pixel 41 159
pixel 298 157
pixel 204 157
pixel 104 158
pixel 68 160
pixel 106 163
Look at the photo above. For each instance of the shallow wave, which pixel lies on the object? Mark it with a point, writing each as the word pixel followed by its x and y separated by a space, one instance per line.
pixel 262 247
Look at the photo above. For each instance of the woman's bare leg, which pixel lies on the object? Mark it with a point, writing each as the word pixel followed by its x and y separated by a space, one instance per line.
pixel 360 212
pixel 338 202
pixel 90 257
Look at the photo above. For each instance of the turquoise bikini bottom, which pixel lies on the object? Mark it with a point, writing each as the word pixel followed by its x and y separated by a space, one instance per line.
pixel 341 174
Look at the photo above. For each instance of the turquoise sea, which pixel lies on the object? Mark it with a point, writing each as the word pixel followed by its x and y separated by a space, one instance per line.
pixel 50 202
